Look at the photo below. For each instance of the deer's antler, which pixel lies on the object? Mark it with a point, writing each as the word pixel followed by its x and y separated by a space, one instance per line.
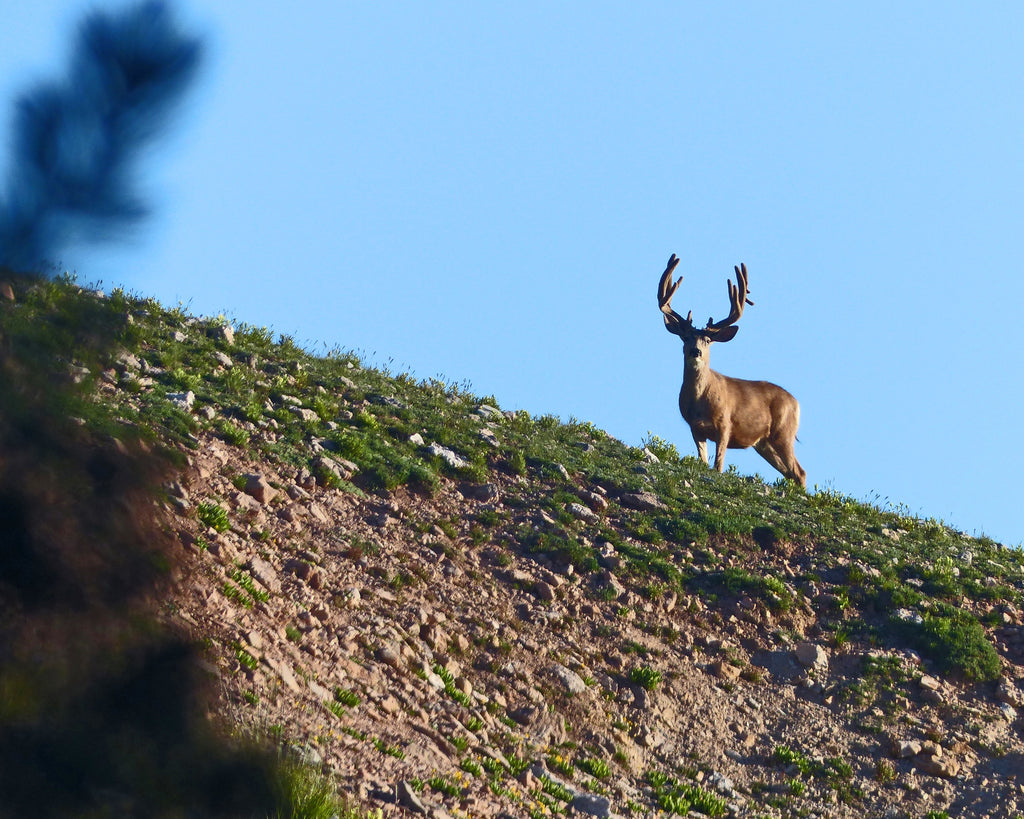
pixel 737 299
pixel 674 322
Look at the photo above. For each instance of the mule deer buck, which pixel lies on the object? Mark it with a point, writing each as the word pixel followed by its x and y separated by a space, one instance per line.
pixel 729 411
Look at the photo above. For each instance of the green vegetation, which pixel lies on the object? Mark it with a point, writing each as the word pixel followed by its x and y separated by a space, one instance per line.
pixel 645 677
pixel 306 793
pixel 597 768
pixel 449 686
pixel 836 772
pixel 956 642
pixel 674 796
pixel 243 589
pixel 214 516
pixel 347 698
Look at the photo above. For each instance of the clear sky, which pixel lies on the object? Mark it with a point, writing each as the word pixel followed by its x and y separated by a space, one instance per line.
pixel 489 192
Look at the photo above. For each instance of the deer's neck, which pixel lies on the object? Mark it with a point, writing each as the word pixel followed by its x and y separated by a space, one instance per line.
pixel 697 377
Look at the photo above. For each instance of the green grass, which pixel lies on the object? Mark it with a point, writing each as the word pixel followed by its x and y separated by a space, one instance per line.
pixel 305 793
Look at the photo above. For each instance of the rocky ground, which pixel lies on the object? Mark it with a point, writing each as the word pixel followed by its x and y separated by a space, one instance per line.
pixel 435 668
pixel 486 614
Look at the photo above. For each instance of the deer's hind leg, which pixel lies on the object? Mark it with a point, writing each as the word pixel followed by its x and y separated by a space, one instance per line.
pixel 781 456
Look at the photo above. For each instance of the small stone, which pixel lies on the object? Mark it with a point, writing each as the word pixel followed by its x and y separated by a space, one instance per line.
pixel 223 359
pixel 321 693
pixel 451 458
pixel 258 487
pixel 326 468
pixel 642 501
pixel 390 655
pixel 407 798
pixel 946 767
pixel 129 361
pixel 611 582
pixel 527 715
pixel 182 400
pixel 570 679
pixel 264 574
pixel 306 415
pixel 930 683
pixel 723 784
pixel 581 512
pixel 544 591
pixel 529 781
pixel 813 656
pixel 725 670
pixel 435 637
pixel 905 749
pixel 284 672
pixel 1007 692
pixel 909 616
pixel 485 492
pixel 608 557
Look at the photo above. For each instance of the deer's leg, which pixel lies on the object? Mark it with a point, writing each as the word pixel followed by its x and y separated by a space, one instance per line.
pixel 702 449
pixel 767 451
pixel 721 445
pixel 792 470
pixel 781 456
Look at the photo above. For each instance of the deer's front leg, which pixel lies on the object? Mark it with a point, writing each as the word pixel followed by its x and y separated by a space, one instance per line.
pixel 702 449
pixel 721 445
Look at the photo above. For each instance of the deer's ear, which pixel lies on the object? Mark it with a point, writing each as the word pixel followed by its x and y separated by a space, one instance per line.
pixel 726 333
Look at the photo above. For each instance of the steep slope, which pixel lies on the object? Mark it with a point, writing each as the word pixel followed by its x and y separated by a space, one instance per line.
pixel 458 610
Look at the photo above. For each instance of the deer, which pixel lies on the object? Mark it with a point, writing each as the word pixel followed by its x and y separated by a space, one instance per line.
pixel 732 412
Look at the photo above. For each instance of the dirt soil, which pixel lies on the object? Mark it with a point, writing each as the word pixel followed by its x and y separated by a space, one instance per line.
pixel 435 668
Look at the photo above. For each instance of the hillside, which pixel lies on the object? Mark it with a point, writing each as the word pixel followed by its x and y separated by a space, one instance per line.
pixel 452 609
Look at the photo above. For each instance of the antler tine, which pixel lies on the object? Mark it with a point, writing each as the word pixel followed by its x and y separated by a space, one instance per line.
pixel 737 299
pixel 674 323
pixel 741 276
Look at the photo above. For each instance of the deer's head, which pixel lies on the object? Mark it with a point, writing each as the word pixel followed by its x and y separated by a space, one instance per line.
pixel 697 341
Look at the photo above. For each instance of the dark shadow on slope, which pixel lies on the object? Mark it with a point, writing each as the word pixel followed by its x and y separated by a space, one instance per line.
pixel 101 709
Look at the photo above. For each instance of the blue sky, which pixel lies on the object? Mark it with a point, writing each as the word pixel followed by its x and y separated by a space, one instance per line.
pixel 489 193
